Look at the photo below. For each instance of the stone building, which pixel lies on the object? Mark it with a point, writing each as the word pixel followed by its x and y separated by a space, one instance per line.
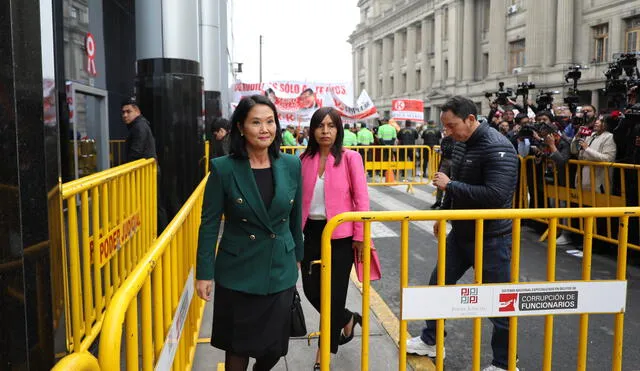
pixel 434 49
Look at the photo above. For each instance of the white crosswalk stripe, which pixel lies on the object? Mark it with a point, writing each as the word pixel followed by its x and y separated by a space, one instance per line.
pixel 391 204
pixel 379 230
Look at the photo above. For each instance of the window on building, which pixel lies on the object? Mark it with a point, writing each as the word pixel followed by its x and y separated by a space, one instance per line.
pixel 600 43
pixel 403 83
pixel 445 24
pixel 392 83
pixel 418 84
pixel 516 54
pixel 418 47
pixel 445 73
pixel 73 13
pixel 485 65
pixel 632 36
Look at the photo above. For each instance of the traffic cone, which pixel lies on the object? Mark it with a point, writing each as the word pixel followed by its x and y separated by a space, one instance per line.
pixel 389 177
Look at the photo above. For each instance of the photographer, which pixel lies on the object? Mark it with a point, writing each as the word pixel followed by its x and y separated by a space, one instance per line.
pixel 598 147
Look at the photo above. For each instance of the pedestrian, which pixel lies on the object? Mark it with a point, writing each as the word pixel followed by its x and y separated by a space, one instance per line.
pixel 446 154
pixel 483 176
pixel 288 138
pixel 221 141
pixel 259 192
pixel 333 182
pixel 365 138
pixel 407 137
pixel 140 144
pixel 431 137
pixel 350 139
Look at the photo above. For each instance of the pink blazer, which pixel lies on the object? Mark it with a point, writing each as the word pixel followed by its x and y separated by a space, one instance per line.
pixel 338 195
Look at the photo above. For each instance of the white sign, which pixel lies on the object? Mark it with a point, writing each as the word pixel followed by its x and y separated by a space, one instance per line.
pixel 175 331
pixel 507 300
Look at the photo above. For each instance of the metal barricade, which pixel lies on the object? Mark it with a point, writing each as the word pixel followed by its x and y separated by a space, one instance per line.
pixel 162 287
pixel 93 253
pixel 392 165
pixel 441 217
pixel 543 185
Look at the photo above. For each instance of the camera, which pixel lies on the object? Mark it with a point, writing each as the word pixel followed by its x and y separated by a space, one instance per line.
pixel 622 75
pixel 544 100
pixel 502 95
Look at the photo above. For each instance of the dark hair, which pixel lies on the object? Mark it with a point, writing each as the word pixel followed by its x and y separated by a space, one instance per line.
pixel 460 106
pixel 519 117
pixel 346 126
pixel 313 147
pixel 307 90
pixel 221 123
pixel 544 113
pixel 129 101
pixel 238 144
pixel 408 123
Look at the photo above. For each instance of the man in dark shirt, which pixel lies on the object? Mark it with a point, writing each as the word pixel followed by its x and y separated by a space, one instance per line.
pixel 140 142
pixel 483 176
pixel 407 137
pixel 431 136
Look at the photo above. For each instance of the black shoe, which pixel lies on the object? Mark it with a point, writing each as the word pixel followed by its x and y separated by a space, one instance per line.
pixel 316 366
pixel 357 319
pixel 435 206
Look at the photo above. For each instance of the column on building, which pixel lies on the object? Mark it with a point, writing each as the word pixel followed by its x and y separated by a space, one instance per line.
pixel 454 52
pixel 564 46
pixel 535 36
pixel 356 69
pixel 375 62
pixel 369 70
pixel 468 44
pixel 170 91
pixel 615 40
pixel 497 38
pixel 595 99
pixel 213 66
pixel 397 62
pixel 437 47
pixel 411 58
pixel 386 58
pixel 426 45
pixel 550 36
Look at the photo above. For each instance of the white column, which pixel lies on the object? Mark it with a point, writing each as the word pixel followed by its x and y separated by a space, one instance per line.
pixel 551 37
pixel 469 45
pixel 356 70
pixel 437 47
pixel 373 86
pixel 368 63
pixel 616 43
pixel 534 39
pixel 454 42
pixel 595 97
pixel 411 58
pixel 564 49
pixel 397 62
pixel 386 57
pixel 426 69
pixel 497 38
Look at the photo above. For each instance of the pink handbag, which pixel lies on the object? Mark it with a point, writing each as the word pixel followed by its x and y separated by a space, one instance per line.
pixel 376 272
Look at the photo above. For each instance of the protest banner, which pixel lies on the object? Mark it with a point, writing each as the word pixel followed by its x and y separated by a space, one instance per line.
pixel 407 109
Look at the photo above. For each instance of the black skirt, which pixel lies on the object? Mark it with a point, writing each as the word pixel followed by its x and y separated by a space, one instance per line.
pixel 252 325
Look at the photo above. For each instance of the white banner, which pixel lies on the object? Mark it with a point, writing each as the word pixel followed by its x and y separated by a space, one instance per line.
pixel 165 361
pixel 507 300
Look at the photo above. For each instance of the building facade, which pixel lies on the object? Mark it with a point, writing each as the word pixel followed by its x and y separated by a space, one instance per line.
pixel 434 49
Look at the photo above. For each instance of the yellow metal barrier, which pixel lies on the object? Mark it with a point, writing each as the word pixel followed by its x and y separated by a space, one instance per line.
pixel 392 165
pixel 568 188
pixel 441 217
pixel 169 321
pixel 82 361
pixel 92 254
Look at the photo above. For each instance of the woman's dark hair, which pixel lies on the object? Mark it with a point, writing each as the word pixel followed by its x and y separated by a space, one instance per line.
pixel 238 144
pixel 313 147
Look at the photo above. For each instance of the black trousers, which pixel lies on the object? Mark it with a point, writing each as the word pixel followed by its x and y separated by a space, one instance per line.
pixel 341 262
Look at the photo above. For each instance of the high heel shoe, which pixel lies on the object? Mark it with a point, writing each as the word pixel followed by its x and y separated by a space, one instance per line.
pixel 316 366
pixel 357 319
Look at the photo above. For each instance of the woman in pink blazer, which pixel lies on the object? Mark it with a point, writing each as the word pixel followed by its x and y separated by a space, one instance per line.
pixel 333 182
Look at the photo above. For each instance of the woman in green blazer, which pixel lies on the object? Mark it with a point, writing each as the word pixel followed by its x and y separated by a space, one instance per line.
pixel 258 189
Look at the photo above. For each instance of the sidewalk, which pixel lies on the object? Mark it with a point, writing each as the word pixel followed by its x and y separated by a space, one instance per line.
pixel 383 351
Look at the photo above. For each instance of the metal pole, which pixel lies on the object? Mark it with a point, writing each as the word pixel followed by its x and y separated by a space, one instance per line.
pixel 261 59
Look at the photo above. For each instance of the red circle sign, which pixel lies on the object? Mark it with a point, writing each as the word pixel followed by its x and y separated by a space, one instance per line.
pixel 90 44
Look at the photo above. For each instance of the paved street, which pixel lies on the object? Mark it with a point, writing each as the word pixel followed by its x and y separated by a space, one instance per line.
pixel 533 268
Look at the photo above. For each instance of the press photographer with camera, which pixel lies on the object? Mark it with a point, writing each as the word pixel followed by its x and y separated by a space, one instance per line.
pixel 598 147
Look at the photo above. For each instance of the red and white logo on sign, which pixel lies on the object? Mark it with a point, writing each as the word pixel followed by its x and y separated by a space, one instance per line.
pixel 398 105
pixel 508 302
pixel 90 45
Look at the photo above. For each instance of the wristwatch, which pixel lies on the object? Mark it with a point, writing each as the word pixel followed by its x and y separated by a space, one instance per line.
pixel 447 186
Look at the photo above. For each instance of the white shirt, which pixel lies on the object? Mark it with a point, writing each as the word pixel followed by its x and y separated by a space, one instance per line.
pixel 317 210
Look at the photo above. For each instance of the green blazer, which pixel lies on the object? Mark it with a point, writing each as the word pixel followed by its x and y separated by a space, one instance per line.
pixel 259 247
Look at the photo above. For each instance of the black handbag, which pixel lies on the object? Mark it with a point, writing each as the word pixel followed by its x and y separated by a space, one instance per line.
pixel 298 325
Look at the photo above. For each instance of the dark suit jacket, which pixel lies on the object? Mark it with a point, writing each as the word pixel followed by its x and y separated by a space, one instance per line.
pixel 259 247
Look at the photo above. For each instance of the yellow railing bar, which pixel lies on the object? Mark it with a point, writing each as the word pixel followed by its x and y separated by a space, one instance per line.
pixel 74 187
pixel 366 292
pixel 441 217
pixel 477 322
pixel 586 276
pixel 404 283
pixel 515 277
pixel 111 336
pixel 81 361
